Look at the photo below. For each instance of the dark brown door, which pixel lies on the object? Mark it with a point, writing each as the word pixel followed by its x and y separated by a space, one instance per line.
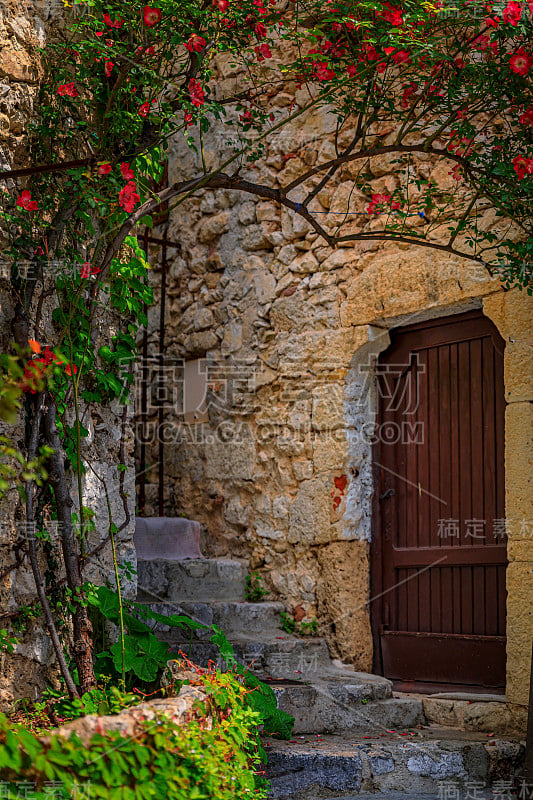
pixel 439 552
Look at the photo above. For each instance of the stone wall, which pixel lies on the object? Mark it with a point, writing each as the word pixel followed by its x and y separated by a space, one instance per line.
pixel 278 466
pixel 24 27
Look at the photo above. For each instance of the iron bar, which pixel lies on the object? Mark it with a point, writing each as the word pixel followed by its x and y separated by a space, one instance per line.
pixel 161 387
pixel 144 403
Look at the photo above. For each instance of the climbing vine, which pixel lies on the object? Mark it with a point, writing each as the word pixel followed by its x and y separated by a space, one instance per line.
pixel 405 80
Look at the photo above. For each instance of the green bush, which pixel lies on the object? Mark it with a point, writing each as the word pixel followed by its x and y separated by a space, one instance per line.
pixel 165 760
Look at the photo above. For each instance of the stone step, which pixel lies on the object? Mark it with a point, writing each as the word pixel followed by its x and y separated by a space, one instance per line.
pixel 266 656
pixel 417 762
pixel 193 580
pixel 347 705
pixel 481 794
pixel 231 617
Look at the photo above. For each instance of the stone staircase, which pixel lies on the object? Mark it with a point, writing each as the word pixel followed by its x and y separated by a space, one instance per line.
pixel 353 737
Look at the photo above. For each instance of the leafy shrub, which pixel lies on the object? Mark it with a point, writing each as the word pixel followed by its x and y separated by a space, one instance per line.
pixel 165 760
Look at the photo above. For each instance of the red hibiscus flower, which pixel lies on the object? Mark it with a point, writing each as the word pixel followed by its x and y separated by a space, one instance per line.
pixel 527 117
pixel 262 51
pixel 512 13
pixel 151 16
pixel 104 169
pixel 25 201
pixel 109 68
pixel 197 93
pixel 67 90
pixel 195 43
pixel 117 23
pixel 520 62
pixel 128 197
pixel 126 171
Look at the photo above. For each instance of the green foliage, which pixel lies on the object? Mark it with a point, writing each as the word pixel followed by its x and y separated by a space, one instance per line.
pixel 255 591
pixel 164 760
pixel 303 628
pixel 7 642
pixel 140 656
pixel 261 698
pixel 145 657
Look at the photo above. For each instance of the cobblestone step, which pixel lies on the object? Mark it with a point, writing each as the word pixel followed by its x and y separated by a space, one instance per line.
pixel 193 580
pixel 326 706
pixel 434 762
pixel 264 655
pixel 232 618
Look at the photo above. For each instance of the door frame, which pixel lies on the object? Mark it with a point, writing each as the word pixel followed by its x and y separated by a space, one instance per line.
pixel 376 550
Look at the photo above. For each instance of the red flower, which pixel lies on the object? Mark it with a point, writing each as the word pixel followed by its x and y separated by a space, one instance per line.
pixel 456 173
pixel 492 22
pixel 527 117
pixel 195 43
pixel 379 199
pixel 260 30
pixel 118 23
pixel 523 166
pixel 221 4
pixel 151 16
pixel 520 62
pixel 322 72
pixel 25 201
pixel 262 51
pixel 71 369
pixel 87 270
pixel 126 171
pixel 402 57
pixel 197 93
pixel 128 197
pixel 104 169
pixel 408 90
pixel 109 68
pixel 512 13
pixel 144 110
pixel 187 117
pixel 392 15
pixel 67 89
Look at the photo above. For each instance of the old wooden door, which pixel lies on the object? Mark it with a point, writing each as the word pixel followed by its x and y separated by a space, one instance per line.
pixel 439 552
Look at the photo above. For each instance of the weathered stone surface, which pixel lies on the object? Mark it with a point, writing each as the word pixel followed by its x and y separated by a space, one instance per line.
pixel 309 513
pixel 179 709
pixel 512 313
pixel 342 602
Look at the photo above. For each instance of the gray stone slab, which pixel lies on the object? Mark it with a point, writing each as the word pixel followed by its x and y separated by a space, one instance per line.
pixel 192 580
pixel 323 707
pixel 403 765
pixel 232 618
pixel 171 538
